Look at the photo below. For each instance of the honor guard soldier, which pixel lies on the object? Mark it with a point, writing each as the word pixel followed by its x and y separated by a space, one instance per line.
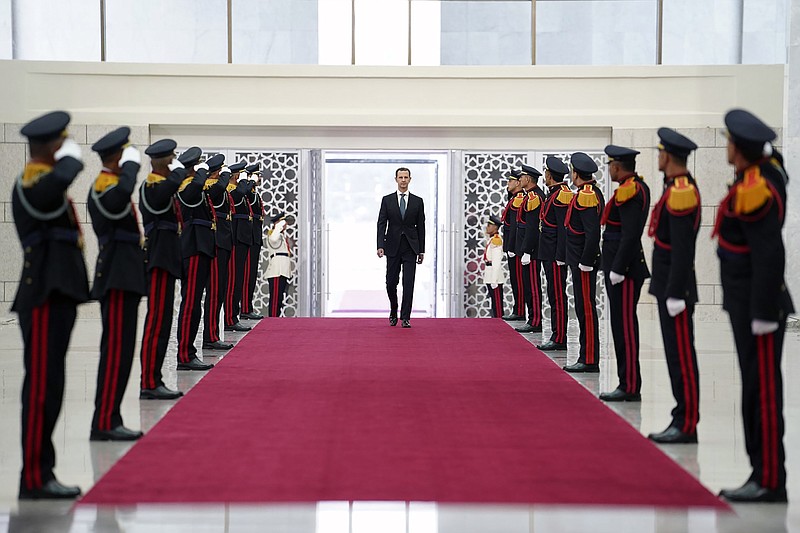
pixel 509 217
pixel 251 269
pixel 198 247
pixel 52 285
pixel 752 260
pixel 674 224
pixel 162 229
pixel 279 267
pixel 242 232
pixel 582 223
pixel 553 250
pixel 493 274
pixel 119 279
pixel 527 247
pixel 625 217
pixel 216 188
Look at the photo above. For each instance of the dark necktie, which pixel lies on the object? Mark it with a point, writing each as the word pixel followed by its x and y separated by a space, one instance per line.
pixel 402 206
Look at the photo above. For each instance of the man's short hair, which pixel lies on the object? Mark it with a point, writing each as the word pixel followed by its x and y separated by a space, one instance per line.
pixel 401 169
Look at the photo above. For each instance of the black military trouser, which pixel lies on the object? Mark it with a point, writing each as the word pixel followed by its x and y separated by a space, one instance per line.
pixel 157 325
pixel 584 288
pixel 216 289
pixel 556 276
pixel 496 299
pixel 678 335
pixel 517 290
pixel 532 288
pixel 622 301
pixel 195 274
pixel 277 290
pixel 251 275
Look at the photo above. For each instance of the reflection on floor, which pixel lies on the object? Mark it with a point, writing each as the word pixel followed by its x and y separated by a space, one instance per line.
pixel 719 460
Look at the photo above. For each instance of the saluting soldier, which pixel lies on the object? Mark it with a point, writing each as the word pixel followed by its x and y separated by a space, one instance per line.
pixel 242 232
pixel 119 280
pixel 198 247
pixel 216 188
pixel 161 216
pixel 509 219
pixel 493 274
pixel 528 247
pixel 553 250
pixel 582 223
pixel 674 224
pixel 252 266
pixel 624 217
pixel 53 283
pixel 752 261
pixel 279 266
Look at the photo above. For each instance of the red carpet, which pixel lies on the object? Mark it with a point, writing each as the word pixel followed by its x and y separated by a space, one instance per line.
pixel 452 410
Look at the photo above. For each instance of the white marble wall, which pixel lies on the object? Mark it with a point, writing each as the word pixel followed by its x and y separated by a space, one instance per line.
pixel 792 156
pixel 57 31
pixel 275 32
pixel 701 33
pixel 6 48
pixel 764 29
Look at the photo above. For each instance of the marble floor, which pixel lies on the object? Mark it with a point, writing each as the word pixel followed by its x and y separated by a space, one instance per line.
pixel 718 461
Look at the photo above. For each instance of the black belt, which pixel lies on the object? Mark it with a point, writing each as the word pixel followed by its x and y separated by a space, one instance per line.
pixel 612 235
pixel 242 217
pixel 200 222
pixel 224 216
pixel 548 229
pixel 160 224
pixel 120 236
pixel 281 254
pixel 51 234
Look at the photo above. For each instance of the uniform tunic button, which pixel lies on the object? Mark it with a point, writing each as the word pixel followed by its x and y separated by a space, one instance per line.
pixel 28 250
pixel 27 264
pixel 28 281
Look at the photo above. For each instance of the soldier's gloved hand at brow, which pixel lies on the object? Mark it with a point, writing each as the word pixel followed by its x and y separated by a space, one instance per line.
pixel 225 171
pixel 585 268
pixel 763 327
pixel 130 154
pixel 69 148
pixel 675 306
pixel 615 278
pixel 175 165
pixel 200 166
pixel 525 259
pixel 280 225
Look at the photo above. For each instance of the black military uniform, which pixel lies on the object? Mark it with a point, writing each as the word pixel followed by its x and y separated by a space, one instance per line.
pixel 242 232
pixel 510 221
pixel 216 189
pixel 553 251
pixel 752 261
pixel 582 223
pixel 52 284
pixel 625 217
pixel 119 279
pixel 161 216
pixel 674 224
pixel 198 248
pixel 252 266
pixel 527 248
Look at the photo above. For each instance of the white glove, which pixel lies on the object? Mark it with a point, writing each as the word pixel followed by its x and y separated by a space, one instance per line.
pixel 130 153
pixel 675 306
pixel 279 225
pixel 560 263
pixel 202 166
pixel 525 259
pixel 175 165
pixel 762 327
pixel 511 254
pixel 615 278
pixel 585 268
pixel 69 148
pixel 224 170
pixel 493 285
pixel 242 175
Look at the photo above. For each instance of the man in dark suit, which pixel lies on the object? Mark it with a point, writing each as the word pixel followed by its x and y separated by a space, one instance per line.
pixel 401 238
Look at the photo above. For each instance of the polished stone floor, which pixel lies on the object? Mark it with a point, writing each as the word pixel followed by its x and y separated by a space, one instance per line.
pixel 718 461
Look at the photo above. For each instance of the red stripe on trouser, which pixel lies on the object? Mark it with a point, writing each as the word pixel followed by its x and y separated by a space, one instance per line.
pixel 560 305
pixel 213 286
pixel 626 333
pixel 520 288
pixel 245 303
pixel 498 303
pixel 765 438
pixel 188 307
pixel 118 358
pixel 536 292
pixel 38 393
pixel 682 357
pixel 161 303
pixel 152 328
pixel 693 389
pixel 588 319
pixel 770 341
pixel 112 354
pixel 275 296
pixel 229 289
pixel 43 349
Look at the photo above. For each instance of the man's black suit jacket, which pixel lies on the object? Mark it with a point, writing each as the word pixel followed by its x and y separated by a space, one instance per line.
pixel 391 226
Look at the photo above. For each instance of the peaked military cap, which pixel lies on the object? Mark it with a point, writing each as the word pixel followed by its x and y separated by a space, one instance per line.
pixel 556 166
pixel 494 220
pixel 530 171
pixel 620 153
pixel 112 142
pixel 278 217
pixel 252 169
pixel 514 174
pixel 47 127
pixel 215 162
pixel 583 164
pixel 238 167
pixel 161 148
pixel 190 157
pixel 675 143
pixel 746 128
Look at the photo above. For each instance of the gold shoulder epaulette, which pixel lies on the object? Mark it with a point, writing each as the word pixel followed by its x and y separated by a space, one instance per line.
pixel 751 193
pixel 230 187
pixel 153 178
pixel 210 183
pixel 497 240
pixel 519 199
pixel 533 202
pixel 104 181
pixel 32 173
pixel 564 195
pixel 184 183
pixel 682 195
pixel 625 191
pixel 587 197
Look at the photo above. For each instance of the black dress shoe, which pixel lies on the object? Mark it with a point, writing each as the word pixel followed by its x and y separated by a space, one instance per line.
pixel 752 492
pixel 392 320
pixel 619 395
pixel 551 346
pixel 406 323
pixel 514 316
pixel 527 328
pixel 252 316
pixel 195 364
pixel 578 368
pixel 159 393
pixel 52 490
pixel 238 327
pixel 673 435
pixel 217 345
pixel 118 433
